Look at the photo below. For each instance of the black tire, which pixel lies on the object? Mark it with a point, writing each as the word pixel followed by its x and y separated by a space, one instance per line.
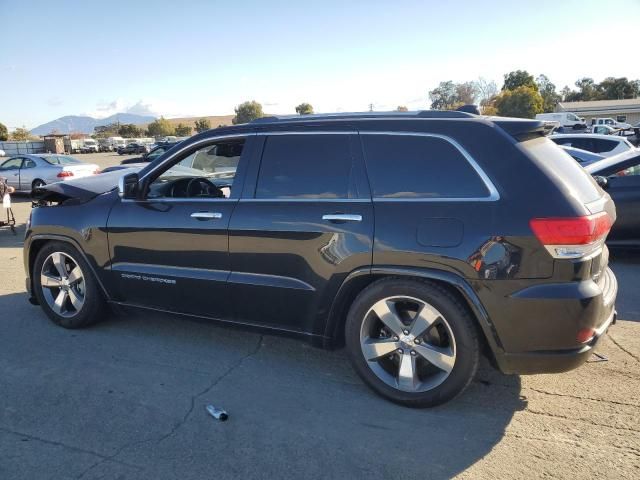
pixel 93 307
pixel 460 323
pixel 37 183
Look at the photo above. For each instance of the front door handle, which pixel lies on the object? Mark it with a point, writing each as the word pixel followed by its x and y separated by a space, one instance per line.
pixel 206 215
pixel 342 217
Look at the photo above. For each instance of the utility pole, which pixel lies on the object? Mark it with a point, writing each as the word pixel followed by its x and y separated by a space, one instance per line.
pixel 371 107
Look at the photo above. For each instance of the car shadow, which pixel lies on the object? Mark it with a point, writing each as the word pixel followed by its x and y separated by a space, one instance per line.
pixel 293 407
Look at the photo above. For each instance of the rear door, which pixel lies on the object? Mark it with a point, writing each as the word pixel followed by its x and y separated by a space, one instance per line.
pixel 304 223
pixel 27 170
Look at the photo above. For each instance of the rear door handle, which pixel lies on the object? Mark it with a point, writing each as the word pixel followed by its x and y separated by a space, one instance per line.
pixel 206 215
pixel 342 217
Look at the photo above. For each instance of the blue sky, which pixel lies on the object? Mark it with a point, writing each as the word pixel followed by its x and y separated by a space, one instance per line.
pixel 204 57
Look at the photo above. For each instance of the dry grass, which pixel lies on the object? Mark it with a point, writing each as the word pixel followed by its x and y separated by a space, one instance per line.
pixel 213 120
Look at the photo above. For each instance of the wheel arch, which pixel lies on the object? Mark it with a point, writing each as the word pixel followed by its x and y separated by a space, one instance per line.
pixel 360 279
pixel 39 241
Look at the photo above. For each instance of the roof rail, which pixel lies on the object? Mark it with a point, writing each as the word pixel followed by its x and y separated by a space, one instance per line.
pixel 355 115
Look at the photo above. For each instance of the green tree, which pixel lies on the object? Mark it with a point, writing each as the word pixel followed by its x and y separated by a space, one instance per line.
pixel 619 88
pixel 402 108
pixel 247 111
pixel 129 131
pixel 4 133
pixel 518 78
pixel 183 130
pixel 444 96
pixel 304 109
pixel 21 134
pixel 522 102
pixel 550 97
pixel 160 128
pixel 203 125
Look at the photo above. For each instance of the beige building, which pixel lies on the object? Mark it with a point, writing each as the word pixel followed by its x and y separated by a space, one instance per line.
pixel 620 110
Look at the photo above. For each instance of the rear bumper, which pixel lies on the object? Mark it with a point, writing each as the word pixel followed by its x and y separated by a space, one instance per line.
pixel 554 315
pixel 552 361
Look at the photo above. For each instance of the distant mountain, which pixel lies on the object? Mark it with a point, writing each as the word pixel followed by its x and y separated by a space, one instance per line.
pixel 76 123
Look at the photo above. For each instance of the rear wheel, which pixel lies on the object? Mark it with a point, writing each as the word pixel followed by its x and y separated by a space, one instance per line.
pixel 412 342
pixel 65 287
pixel 37 183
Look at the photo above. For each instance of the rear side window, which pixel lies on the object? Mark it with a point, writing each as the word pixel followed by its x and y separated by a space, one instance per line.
pixel 404 166
pixel 556 163
pixel 305 166
pixel 604 146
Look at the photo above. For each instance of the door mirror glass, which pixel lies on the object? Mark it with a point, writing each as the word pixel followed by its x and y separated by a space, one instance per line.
pixel 128 186
pixel 603 182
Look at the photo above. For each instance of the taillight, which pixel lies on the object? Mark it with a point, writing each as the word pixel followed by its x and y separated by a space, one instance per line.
pixel 64 174
pixel 572 237
pixel 96 171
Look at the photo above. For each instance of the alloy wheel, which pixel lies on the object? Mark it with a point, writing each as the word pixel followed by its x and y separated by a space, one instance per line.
pixel 63 285
pixel 408 344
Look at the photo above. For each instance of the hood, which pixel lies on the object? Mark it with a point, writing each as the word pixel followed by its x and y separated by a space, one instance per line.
pixel 80 189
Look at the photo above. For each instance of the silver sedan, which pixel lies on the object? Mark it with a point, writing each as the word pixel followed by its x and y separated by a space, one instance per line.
pixel 25 172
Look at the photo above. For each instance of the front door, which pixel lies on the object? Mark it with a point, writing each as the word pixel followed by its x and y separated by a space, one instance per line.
pixel 304 223
pixel 26 174
pixel 10 170
pixel 169 249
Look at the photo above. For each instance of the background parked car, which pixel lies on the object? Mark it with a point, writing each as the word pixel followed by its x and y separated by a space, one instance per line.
pixel 25 172
pixel 133 148
pixel 90 146
pixel 610 122
pixel 605 145
pixel 151 155
pixel 621 180
pixel 565 119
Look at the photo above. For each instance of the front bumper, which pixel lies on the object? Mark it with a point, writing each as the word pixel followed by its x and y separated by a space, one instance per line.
pixel 575 307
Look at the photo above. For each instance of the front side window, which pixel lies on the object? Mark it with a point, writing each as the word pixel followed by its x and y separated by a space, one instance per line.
pixel 156 153
pixel 621 118
pixel 419 167
pixel 572 117
pixel 209 172
pixel 11 164
pixel 305 166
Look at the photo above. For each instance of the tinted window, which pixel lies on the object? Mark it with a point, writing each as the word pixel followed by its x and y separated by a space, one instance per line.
pixel 305 166
pixel 28 163
pixel 603 146
pixel 419 167
pixel 556 163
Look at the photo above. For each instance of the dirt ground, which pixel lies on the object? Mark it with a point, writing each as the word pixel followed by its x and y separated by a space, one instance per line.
pixel 125 399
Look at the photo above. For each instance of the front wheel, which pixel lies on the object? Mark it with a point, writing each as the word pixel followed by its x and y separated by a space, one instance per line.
pixel 65 287
pixel 412 342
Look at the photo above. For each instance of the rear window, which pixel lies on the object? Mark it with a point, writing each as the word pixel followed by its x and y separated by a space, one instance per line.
pixel 558 164
pixel 403 166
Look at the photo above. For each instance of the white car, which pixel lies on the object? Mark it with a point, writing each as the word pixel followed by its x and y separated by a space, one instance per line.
pixel 611 122
pixel 27 171
pixel 605 145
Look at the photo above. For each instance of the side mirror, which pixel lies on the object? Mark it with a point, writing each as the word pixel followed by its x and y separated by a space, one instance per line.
pixel 128 186
pixel 603 182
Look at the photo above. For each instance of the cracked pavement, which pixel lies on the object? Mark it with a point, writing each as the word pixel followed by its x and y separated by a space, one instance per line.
pixel 126 400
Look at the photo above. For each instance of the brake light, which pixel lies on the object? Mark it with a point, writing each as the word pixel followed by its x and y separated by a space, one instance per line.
pixel 64 174
pixel 572 237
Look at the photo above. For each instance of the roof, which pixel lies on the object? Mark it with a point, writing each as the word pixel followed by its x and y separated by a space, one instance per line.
pixel 602 106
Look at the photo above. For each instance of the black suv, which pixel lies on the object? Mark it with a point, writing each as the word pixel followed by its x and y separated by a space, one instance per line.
pixel 418 240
